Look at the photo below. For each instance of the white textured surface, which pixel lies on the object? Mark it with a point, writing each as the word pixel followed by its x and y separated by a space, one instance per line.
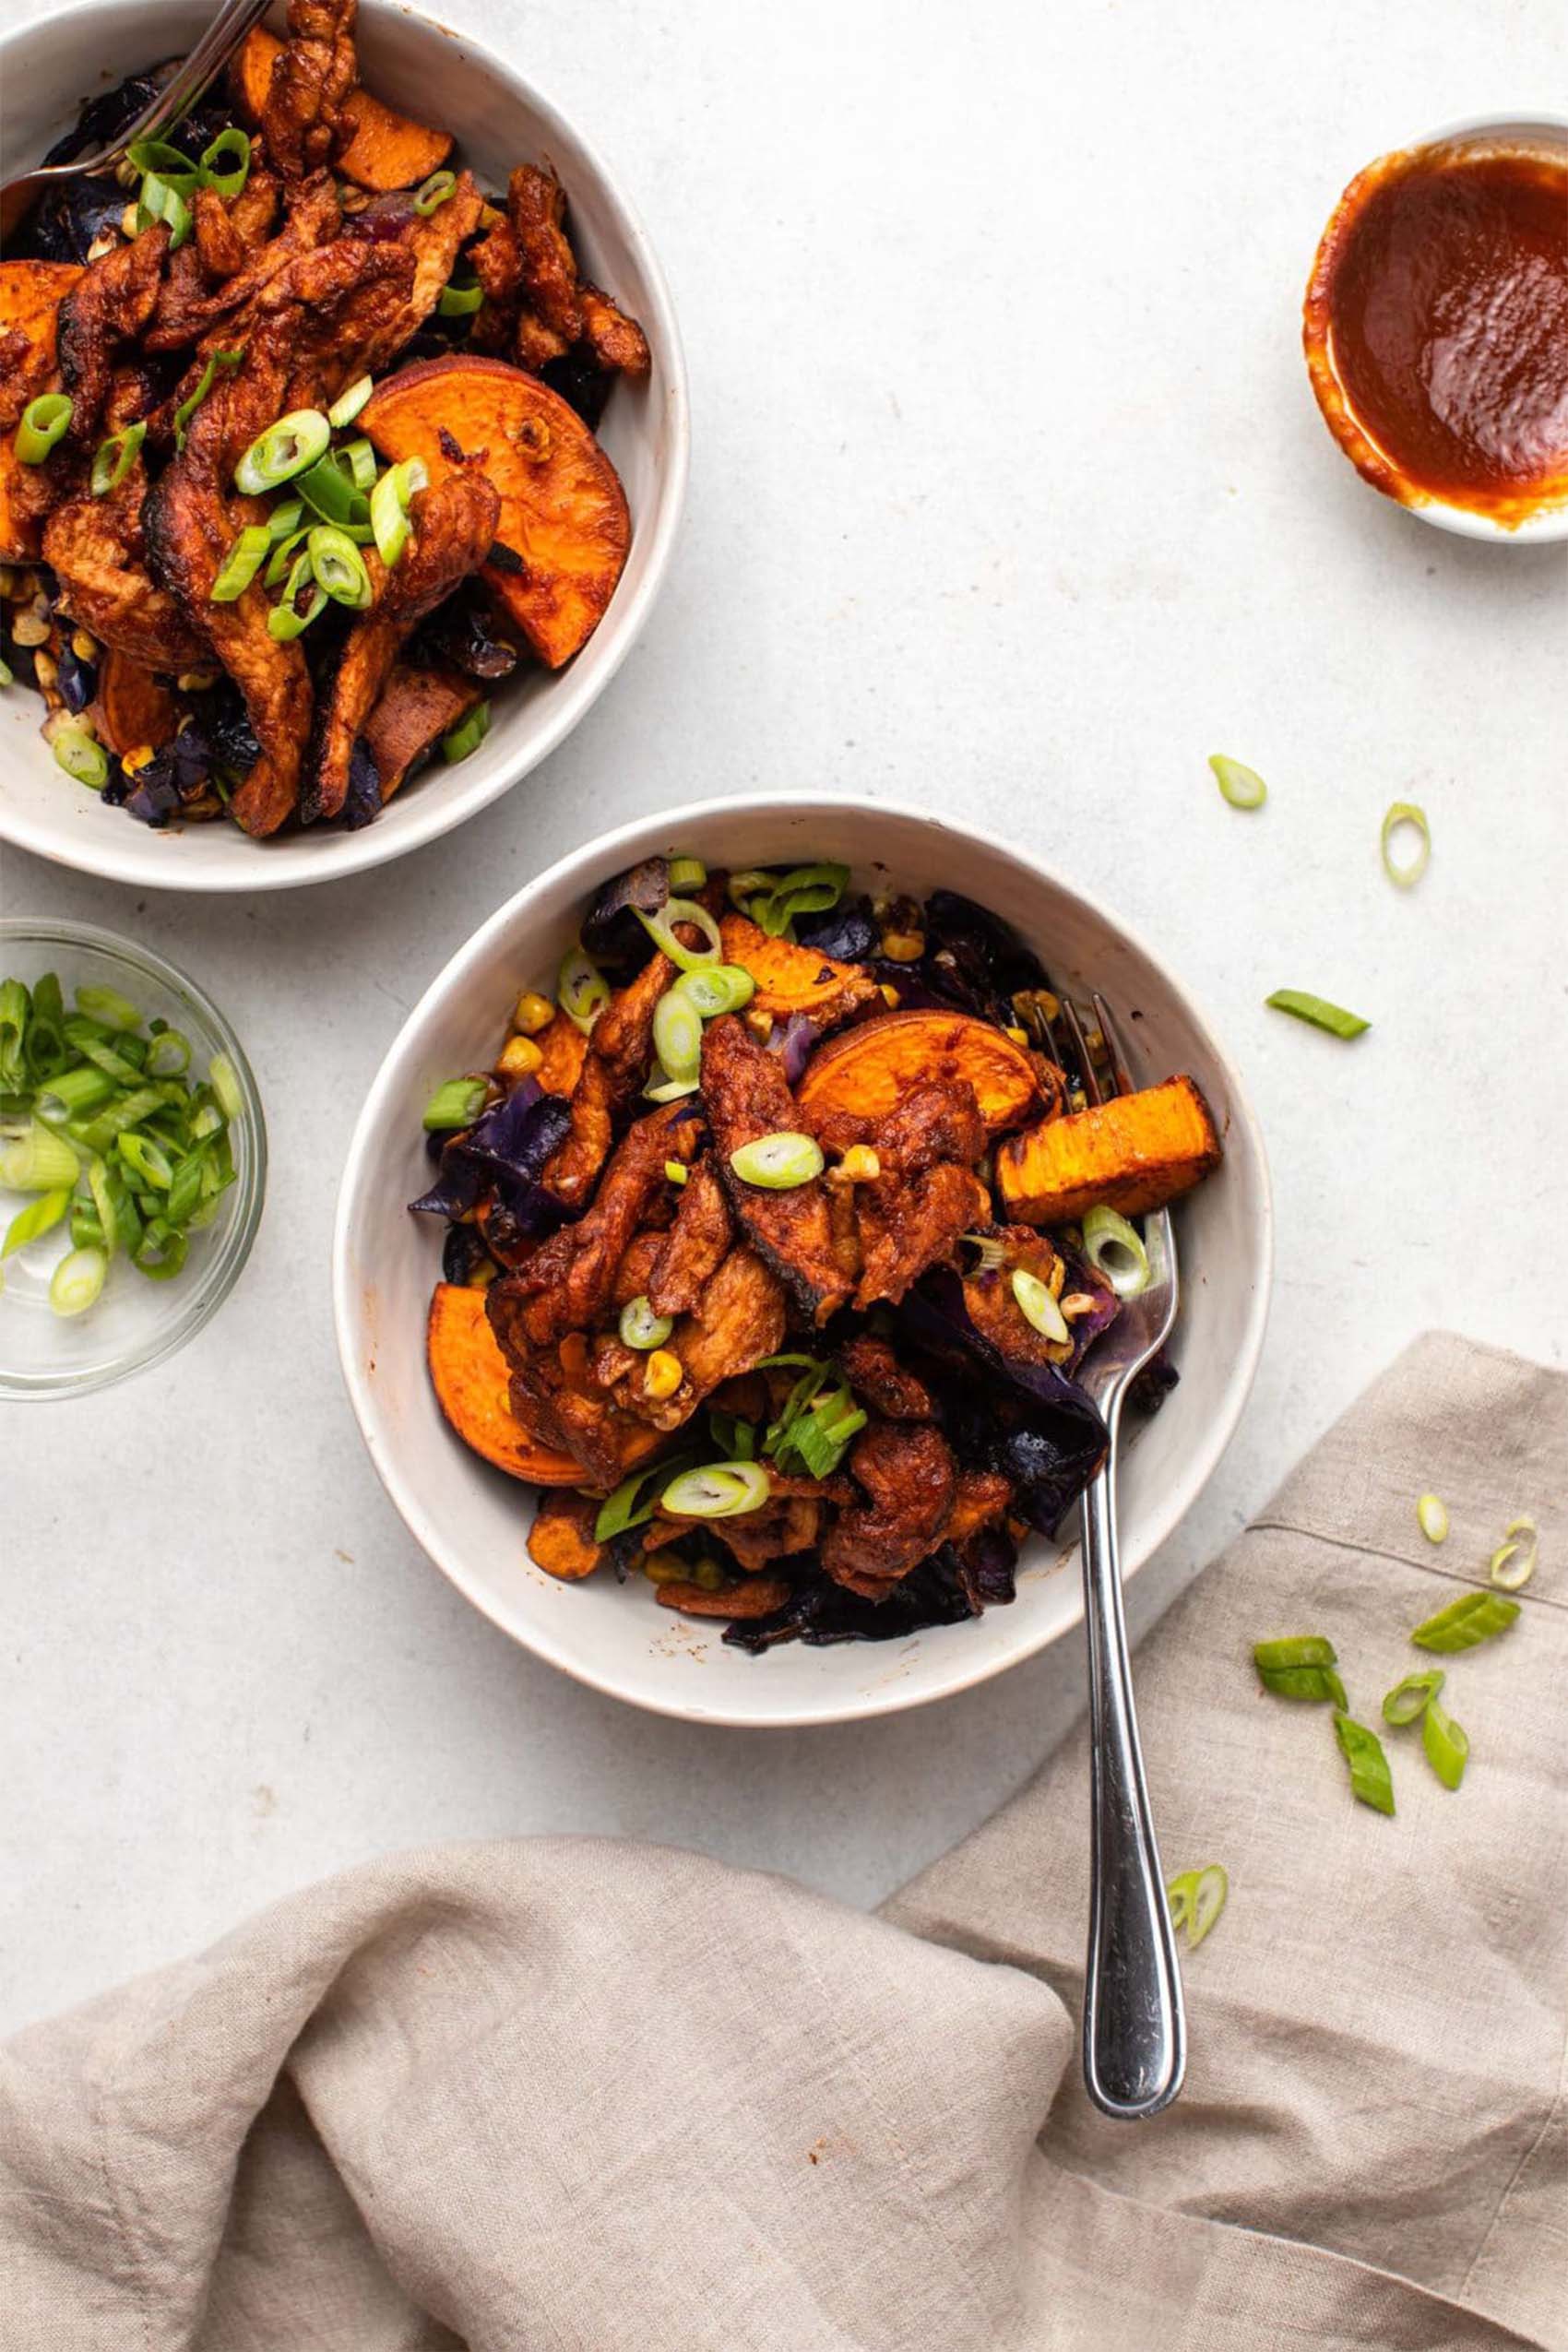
pixel 1009 494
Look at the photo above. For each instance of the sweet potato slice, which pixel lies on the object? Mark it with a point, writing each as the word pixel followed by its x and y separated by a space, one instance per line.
pixel 561 1540
pixel 30 295
pixel 794 980
pixel 471 1379
pixel 1135 1153
pixel 870 1068
pixel 417 706
pixel 748 1596
pixel 384 150
pixel 565 526
pixel 134 707
pixel 565 1049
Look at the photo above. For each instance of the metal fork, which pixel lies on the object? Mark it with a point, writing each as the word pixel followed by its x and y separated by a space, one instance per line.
pixel 190 81
pixel 1134 2027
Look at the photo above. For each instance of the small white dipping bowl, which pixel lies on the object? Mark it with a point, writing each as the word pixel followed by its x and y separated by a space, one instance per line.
pixel 474 1520
pixel 453 80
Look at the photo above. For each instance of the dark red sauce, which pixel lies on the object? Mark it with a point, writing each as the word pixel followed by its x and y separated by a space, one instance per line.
pixel 1436 326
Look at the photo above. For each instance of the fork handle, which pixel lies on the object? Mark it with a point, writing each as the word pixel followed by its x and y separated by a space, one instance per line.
pixel 1134 2027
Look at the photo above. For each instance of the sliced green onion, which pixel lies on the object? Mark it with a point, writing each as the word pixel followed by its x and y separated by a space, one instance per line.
pixel 44 422
pixel 241 565
pixel 1409 1698
pixel 779 1162
pixel 339 568
pixel 660 929
pixel 109 1009
pixel 1372 1782
pixel 46 1039
pixel 459 302
pixel 677 1035
pixel 634 1502
pixel 169 1055
pixel 717 1491
pixel 456 1104
pixel 1447 1746
pixel 1300 1667
pixel 669 1090
pixel 285 519
pixel 77 749
pixel 227 178
pixel 1115 1249
pixel 227 362
pixel 1473 1618
pixel 160 1253
pixel 285 555
pixel 77 1281
pixel 1432 1516
pixel 1406 875
pixel 184 1189
pixel 284 450
pixel 467 736
pixel 169 162
pixel 289 619
pixel 358 460
pixel 1037 1307
pixel 39 1160
pixel 115 458
pixel 87 1233
pixel 389 503
pixel 330 492
pixel 581 989
pixel 347 406
pixel 1242 786
pixel 434 193
pixel 15 1006
pixel 1196 1899
pixel 676 1170
pixel 740 888
pixel 640 1327
pixel 7 675
pixel 804 890
pixel 40 1216
pixel 991 1252
pixel 717 988
pixel 224 1082
pixel 1318 1011
pixel 687 874
pixel 146 1160
pixel 107 1199
pixel 1514 1562
pixel 1298 1649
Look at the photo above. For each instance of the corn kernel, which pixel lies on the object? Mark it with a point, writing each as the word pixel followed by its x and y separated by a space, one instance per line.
pixel 890 996
pixel 860 1165
pixel 46 671
pixel 84 644
pixel 663 1568
pixel 141 755
pixel 196 682
pixel 1018 1036
pixel 533 1012
pixel 1075 1304
pixel 519 1057
pixel 903 946
pixel 128 221
pixel 33 625
pixel 662 1377
pixel 759 1023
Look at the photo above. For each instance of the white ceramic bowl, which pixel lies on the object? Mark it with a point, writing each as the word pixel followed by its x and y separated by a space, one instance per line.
pixel 474 1520
pixel 46 70
pixel 1523 128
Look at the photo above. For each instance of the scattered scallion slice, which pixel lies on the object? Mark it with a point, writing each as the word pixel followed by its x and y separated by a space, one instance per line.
pixel 1446 1745
pixel 170 162
pixel 285 519
pixel 669 1090
pixel 109 1008
pixel 1300 1667
pixel 467 736
pixel 1196 1899
pixel 347 406
pixel 714 989
pixel 1406 814
pixel 777 1163
pixel 284 450
pixel 1115 1249
pixel 634 1502
pixel 169 1055
pixel 224 1082
pixel 161 200
pixel 338 568
pixel 38 1160
pixel 289 618
pixel 1037 1307
pixel 1474 1617
pixel 717 1490
pixel 660 929
pixel 1431 1515
pixel 1242 786
pixel 459 302
pixel 41 1216
pixel 687 874
pixel 581 989
pixel 1372 1782
pixel 116 457
pixel 434 193
pixel 1318 1011
pixel 329 492
pixel 241 564
pixel 804 890
pixel 146 1160
pixel 358 460
pixel 227 362
pixel 389 506
pixel 226 164
pixel 991 1252
pixel 1409 1698
pixel 677 1035
pixel 641 1328
pixel 77 1281
pixel 456 1104
pixel 77 749
pixel 1514 1562
pixel 44 422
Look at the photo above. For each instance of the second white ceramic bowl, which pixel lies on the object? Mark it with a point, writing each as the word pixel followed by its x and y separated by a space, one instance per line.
pixel 452 79
pixel 474 1520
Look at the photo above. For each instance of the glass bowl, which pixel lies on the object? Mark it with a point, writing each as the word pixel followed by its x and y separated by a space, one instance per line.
pixel 135 1321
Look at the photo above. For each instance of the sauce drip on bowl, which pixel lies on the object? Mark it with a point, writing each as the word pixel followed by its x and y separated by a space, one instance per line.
pixel 1436 326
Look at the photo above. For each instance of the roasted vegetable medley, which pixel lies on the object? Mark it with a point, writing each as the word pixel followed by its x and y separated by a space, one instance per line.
pixel 775 1241
pixel 297 455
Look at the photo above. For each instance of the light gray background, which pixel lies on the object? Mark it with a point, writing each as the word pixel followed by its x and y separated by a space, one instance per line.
pixel 1009 495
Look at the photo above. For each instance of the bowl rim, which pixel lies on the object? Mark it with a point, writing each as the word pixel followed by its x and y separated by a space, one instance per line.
pixel 576 870
pixel 222 1271
pixel 1549 525
pixel 576 690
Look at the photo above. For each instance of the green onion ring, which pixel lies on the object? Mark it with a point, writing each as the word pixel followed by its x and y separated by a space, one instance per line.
pixel 434 193
pixel 227 362
pixel 1409 1698
pixel 677 1035
pixel 389 502
pixel 162 200
pixel 660 929
pixel 778 1163
pixel 1514 1562
pixel 991 1252
pixel 44 422
pixel 1446 1745
pixel 339 568
pixel 1406 813
pixel 285 519
pixel 1196 1899
pixel 1474 1617
pixel 38 1162
pixel 634 1501
pixel 77 749
pixel 1243 788
pixel 224 1082
pixel 169 162
pixel 669 1090
pixel 347 406
pixel 687 874
pixel 458 1103
pixel 285 449
pixel 1432 1516
pixel 77 1281
pixel 115 458
pixel 1115 1249
pixel 1318 1011
pixel 241 565
pixel 804 890
pixel 146 1160
pixel 330 492
pixel 467 736
pixel 169 1055
pixel 1372 1782
pixel 717 1491
pixel 41 1216
pixel 1298 1649
pixel 641 1328
pixel 581 989
pixel 289 619
pixel 1037 1307
pixel 7 675
pixel 228 182
pixel 285 554
pixel 358 459
pixel 714 989
pixel 160 1253
pixel 459 302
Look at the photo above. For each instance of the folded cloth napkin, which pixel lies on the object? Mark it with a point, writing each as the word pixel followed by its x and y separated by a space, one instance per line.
pixel 570 2093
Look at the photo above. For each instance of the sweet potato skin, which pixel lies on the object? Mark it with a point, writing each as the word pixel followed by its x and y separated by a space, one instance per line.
pixel 564 528
pixel 868 1069
pixel 383 151
pixel 30 296
pixel 1133 1154
pixel 793 979
pixel 560 1540
pixel 471 1380
pixel 134 707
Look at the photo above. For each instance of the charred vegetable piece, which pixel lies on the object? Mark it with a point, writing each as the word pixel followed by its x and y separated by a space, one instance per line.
pixel 868 1069
pixel 562 1542
pixel 1132 1154
pixel 472 1383
pixel 384 150
pixel 417 708
pixel 791 979
pixel 611 932
pixel 134 706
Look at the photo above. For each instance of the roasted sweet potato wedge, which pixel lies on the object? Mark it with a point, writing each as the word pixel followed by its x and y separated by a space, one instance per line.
pixel 417 706
pixel 794 980
pixel 565 1049
pixel 471 1379
pixel 1133 1154
pixel 30 295
pixel 561 1540
pixel 383 151
pixel 134 707
pixel 869 1068
pixel 565 526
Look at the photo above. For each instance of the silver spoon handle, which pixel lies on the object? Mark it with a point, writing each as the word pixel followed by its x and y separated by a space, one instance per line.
pixel 1134 2027
pixel 190 81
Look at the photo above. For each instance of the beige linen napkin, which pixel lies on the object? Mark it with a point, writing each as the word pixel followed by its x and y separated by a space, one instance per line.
pixel 574 2093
